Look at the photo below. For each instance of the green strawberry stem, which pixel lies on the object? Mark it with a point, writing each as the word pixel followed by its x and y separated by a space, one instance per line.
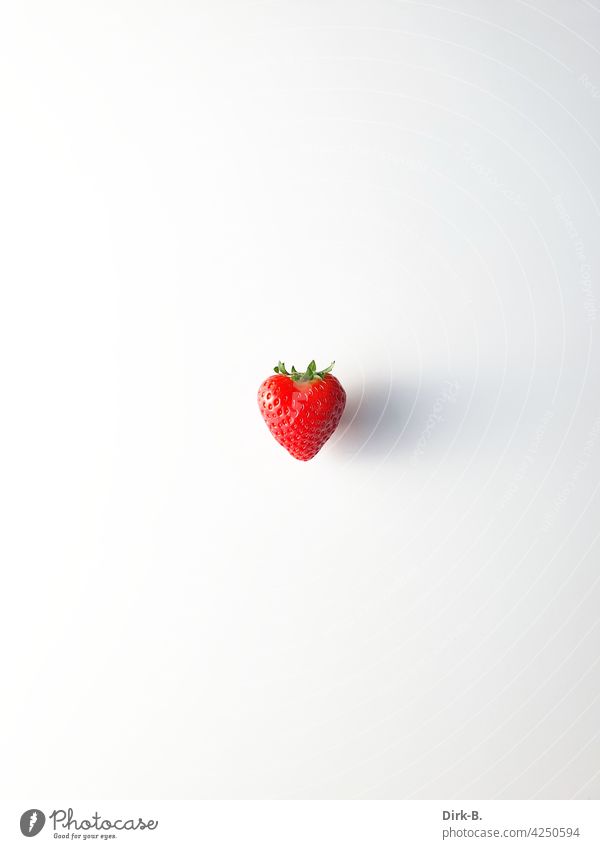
pixel 311 372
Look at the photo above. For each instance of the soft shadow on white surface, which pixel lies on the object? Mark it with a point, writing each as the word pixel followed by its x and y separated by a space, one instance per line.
pixel 407 420
pixel 395 420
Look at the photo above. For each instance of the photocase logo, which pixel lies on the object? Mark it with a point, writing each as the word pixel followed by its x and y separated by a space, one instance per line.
pixel 32 822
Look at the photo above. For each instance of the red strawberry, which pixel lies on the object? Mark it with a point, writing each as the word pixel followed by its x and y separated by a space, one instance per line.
pixel 302 410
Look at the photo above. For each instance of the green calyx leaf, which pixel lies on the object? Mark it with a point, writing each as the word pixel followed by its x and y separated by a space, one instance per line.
pixel 311 372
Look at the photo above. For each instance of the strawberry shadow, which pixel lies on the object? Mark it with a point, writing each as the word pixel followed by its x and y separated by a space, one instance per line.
pixel 383 420
pixel 422 419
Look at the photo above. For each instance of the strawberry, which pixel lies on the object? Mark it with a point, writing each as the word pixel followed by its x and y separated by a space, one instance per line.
pixel 302 410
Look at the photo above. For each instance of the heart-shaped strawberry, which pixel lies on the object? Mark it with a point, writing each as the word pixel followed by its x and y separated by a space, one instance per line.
pixel 302 410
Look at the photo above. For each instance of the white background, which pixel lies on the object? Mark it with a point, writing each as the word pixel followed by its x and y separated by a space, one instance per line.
pixel 191 191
